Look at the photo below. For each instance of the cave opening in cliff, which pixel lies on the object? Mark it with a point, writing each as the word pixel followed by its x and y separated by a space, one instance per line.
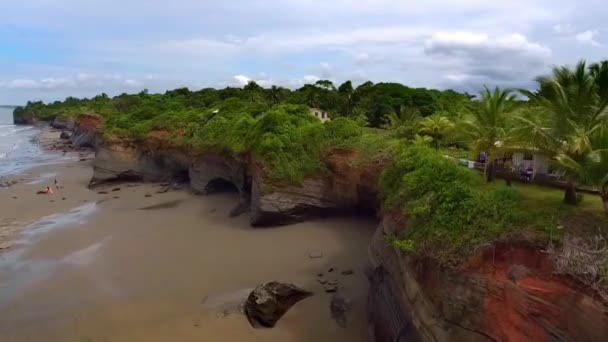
pixel 182 176
pixel 220 185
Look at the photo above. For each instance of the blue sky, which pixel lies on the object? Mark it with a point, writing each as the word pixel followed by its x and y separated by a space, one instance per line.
pixel 50 49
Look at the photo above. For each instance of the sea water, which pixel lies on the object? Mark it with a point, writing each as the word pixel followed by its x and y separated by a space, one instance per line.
pixel 18 148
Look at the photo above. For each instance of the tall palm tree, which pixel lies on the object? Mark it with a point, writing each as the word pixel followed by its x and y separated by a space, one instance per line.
pixel 571 110
pixel 594 169
pixel 404 123
pixel 488 129
pixel 274 94
pixel 437 127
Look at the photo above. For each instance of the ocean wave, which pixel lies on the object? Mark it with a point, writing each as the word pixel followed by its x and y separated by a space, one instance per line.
pixel 5 153
pixel 20 129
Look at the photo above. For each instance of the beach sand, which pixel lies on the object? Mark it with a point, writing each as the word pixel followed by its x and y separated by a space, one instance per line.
pixel 120 266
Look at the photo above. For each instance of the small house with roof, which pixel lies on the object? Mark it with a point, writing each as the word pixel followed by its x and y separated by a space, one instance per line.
pixel 320 114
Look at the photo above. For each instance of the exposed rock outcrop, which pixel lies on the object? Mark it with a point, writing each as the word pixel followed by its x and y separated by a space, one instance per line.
pixel 507 293
pixel 24 119
pixel 85 131
pixel 114 161
pixel 343 188
pixel 66 124
pixel 207 169
pixel 124 161
pixel 268 302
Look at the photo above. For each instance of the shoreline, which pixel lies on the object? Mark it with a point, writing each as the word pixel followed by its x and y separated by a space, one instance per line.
pixel 22 186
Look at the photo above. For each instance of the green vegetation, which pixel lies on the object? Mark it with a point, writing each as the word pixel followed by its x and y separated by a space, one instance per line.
pixel 569 112
pixel 450 209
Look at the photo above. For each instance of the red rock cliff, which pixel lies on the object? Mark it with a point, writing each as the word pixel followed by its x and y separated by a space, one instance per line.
pixel 507 292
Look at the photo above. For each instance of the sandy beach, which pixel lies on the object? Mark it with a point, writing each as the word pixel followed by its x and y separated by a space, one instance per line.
pixel 129 262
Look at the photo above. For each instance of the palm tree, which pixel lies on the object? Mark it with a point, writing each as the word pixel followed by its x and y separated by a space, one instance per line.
pixel 274 94
pixel 488 129
pixel 404 123
pixel 437 127
pixel 346 91
pixel 594 169
pixel 571 110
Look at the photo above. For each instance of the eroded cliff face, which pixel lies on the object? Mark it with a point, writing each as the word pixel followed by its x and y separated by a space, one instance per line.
pixel 343 188
pixel 85 130
pixel 507 292
pixel 120 160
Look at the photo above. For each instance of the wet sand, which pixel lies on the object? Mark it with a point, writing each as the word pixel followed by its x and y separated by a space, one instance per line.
pixel 170 267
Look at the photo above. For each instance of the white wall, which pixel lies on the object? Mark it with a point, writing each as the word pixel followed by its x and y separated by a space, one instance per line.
pixel 540 163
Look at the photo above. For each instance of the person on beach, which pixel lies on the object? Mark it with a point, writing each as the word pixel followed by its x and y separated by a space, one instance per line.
pixel 47 191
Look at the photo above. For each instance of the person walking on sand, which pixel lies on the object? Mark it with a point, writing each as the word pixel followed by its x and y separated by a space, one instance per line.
pixel 56 184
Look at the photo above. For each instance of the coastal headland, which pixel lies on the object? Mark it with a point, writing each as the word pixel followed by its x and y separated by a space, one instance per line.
pixel 143 246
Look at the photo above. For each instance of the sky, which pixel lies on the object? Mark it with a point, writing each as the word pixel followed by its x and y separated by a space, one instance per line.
pixel 51 49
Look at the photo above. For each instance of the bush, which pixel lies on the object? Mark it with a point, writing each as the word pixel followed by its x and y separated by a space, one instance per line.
pixel 449 209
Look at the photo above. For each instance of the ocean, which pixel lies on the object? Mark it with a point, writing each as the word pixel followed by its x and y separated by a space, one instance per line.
pixel 18 150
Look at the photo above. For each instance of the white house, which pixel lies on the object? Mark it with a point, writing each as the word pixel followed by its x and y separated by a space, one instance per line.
pixel 525 160
pixel 320 114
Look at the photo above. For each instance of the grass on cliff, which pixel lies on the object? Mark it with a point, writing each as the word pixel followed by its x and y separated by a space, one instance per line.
pixel 450 210
pixel 285 138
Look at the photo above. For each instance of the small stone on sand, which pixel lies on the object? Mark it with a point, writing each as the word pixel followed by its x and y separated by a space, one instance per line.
pixel 148 195
pixel 347 272
pixel 331 288
pixel 315 254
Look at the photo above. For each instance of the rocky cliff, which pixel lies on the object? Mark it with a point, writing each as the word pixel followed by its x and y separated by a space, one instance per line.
pixel 85 130
pixel 506 292
pixel 343 188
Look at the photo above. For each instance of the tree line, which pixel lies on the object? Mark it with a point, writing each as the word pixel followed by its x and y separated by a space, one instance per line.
pixel 565 119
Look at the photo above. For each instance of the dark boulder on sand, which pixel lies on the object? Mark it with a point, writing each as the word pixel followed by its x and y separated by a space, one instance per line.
pixel 270 301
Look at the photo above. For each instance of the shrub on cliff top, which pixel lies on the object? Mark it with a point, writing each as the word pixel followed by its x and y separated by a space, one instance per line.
pixel 448 207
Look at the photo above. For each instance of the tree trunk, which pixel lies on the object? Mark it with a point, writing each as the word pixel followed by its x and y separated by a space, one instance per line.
pixel 570 194
pixel 490 170
pixel 604 196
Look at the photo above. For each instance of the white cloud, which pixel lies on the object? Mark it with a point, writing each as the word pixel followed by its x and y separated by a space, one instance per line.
pixel 22 84
pixel 242 80
pixel 76 83
pixel 459 43
pixel 132 83
pixel 588 37
pixel 457 77
pixel 474 59
pixel 262 80
pixel 310 79
pixel 78 49
pixel 564 28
